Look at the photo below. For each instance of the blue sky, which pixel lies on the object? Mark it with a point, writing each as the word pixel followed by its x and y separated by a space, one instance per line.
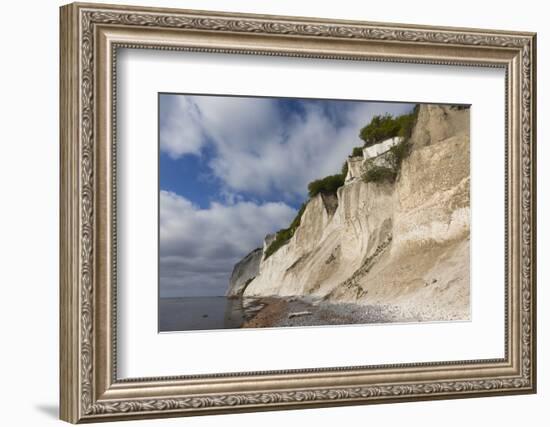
pixel 233 169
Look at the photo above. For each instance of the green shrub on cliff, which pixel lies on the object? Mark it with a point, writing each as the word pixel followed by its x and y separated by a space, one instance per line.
pixel 327 185
pixel 399 152
pixel 394 157
pixel 379 129
pixel 283 236
pixel 357 151
pixel 407 122
pixel 380 174
pixel 386 126
pixel 344 170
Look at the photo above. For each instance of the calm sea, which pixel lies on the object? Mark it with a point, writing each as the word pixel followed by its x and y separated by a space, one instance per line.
pixel 200 313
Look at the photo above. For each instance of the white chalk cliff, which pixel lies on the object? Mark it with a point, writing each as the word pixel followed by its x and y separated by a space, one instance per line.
pixel 243 272
pixel 404 243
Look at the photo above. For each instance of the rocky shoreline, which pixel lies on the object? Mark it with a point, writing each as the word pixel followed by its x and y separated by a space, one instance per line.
pixel 299 311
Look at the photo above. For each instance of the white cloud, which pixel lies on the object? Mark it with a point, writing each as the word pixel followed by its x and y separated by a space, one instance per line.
pixel 181 126
pixel 199 247
pixel 258 149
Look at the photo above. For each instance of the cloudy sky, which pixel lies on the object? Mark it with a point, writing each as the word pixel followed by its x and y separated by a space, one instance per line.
pixel 233 169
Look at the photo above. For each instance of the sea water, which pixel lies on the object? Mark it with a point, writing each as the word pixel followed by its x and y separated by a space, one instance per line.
pixel 200 313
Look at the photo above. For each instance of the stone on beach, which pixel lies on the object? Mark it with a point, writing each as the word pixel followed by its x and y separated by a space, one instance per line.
pixel 299 313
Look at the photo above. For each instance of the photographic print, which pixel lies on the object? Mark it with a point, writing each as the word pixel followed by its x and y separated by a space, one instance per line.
pixel 282 212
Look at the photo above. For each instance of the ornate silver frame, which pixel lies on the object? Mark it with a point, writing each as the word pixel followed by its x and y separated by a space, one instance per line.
pixel 90 36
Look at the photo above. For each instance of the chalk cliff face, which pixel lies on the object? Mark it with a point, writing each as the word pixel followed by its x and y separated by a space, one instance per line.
pixel 243 272
pixel 404 243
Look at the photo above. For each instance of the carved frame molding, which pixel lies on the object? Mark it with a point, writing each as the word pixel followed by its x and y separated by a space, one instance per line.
pixel 90 37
